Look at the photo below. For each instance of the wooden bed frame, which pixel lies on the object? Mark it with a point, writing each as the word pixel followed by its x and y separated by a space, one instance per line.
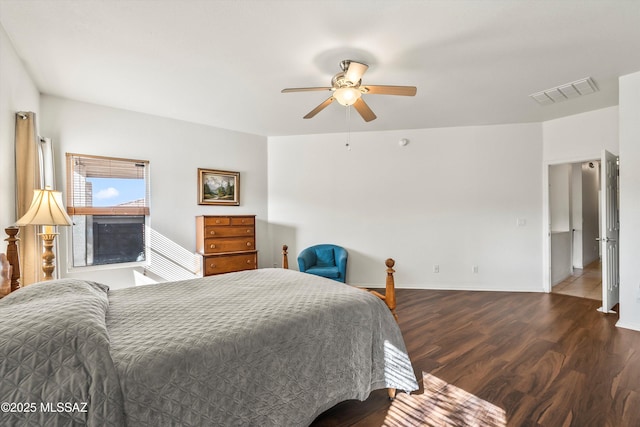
pixel 389 296
pixel 11 275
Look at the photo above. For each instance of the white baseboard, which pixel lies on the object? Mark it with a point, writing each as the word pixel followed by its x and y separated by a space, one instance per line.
pixel 452 287
pixel 627 325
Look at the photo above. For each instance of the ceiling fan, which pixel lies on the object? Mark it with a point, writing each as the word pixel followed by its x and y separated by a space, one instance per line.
pixel 348 89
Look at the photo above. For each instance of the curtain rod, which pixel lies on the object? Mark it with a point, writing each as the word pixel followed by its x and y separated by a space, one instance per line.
pixel 24 116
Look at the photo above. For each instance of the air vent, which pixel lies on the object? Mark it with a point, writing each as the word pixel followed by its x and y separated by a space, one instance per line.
pixel 567 91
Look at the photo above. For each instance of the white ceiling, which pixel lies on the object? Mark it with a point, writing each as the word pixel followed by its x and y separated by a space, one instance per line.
pixel 223 63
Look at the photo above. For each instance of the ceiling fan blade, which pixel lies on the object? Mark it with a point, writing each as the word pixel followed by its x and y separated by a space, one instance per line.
pixel 391 90
pixel 355 71
pixel 319 108
pixel 364 110
pixel 304 89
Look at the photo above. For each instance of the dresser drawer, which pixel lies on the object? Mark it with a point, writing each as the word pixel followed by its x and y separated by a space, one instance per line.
pixel 218 264
pixel 242 220
pixel 228 231
pixel 217 220
pixel 231 244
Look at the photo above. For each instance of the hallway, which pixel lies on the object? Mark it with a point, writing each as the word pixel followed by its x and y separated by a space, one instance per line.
pixel 584 283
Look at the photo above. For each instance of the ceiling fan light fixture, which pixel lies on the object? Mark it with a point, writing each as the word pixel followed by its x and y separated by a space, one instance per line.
pixel 347 95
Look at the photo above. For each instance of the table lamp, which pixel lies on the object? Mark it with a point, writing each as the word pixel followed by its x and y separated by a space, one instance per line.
pixel 46 209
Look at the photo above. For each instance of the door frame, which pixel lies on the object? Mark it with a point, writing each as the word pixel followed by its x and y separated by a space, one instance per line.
pixel 547 283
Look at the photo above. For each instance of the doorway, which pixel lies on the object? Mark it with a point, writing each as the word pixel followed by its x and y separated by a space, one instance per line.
pixel 574 218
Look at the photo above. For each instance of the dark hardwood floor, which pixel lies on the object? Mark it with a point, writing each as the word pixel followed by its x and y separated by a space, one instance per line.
pixel 546 359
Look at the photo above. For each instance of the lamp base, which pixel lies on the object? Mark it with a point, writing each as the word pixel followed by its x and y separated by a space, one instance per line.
pixel 48 266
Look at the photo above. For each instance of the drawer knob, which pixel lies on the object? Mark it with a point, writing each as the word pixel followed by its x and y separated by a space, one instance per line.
pixel 248 243
pixel 248 230
pixel 212 232
pixel 212 265
pixel 217 221
pixel 212 246
pixel 248 261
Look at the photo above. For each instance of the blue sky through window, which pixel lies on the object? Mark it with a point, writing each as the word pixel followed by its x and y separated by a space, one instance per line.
pixel 116 191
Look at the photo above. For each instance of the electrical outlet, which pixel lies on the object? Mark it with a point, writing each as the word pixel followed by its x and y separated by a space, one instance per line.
pixel 436 268
pixel 474 269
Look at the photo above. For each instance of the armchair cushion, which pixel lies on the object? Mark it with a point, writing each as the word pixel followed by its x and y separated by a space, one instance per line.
pixel 325 258
pixel 329 272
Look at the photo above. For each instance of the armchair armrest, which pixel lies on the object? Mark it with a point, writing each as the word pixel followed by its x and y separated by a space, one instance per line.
pixel 306 259
pixel 341 261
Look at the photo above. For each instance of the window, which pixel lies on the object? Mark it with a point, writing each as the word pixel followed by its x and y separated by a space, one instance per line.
pixel 108 200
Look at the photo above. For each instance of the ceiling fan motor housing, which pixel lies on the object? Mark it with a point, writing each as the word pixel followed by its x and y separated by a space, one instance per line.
pixel 340 80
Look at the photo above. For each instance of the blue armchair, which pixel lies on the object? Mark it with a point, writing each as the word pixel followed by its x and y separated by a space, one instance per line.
pixel 328 261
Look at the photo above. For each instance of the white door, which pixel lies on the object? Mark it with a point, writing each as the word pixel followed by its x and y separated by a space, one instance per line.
pixel 609 231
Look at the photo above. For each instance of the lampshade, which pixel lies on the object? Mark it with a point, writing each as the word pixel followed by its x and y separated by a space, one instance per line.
pixel 46 209
pixel 347 95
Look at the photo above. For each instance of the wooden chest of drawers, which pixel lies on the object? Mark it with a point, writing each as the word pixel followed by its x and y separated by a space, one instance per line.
pixel 227 243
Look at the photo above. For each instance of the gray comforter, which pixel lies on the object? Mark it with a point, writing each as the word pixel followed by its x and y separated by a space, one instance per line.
pixel 261 347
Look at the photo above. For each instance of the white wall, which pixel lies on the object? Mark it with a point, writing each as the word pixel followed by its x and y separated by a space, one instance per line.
pixel 17 93
pixel 576 215
pixel 581 136
pixel 560 256
pixel 175 149
pixel 560 196
pixel 630 201
pixel 452 197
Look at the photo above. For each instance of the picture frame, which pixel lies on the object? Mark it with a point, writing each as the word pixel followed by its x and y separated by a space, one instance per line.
pixel 218 187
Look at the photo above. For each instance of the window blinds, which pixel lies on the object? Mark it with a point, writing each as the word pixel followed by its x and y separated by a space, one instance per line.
pixel 80 193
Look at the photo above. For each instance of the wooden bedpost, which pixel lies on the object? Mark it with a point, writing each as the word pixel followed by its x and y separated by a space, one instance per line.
pixel 12 256
pixel 390 288
pixel 285 259
pixel 390 300
pixel 389 296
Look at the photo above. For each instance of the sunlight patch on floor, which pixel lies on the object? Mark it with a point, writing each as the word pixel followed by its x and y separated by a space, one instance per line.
pixel 443 404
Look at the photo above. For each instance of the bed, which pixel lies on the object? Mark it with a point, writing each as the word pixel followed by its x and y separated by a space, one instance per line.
pixel 259 347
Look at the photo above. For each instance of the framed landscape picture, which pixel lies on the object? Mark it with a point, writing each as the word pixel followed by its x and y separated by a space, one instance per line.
pixel 217 187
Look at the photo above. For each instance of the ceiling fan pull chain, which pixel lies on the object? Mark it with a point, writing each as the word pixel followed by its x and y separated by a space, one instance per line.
pixel 348 144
